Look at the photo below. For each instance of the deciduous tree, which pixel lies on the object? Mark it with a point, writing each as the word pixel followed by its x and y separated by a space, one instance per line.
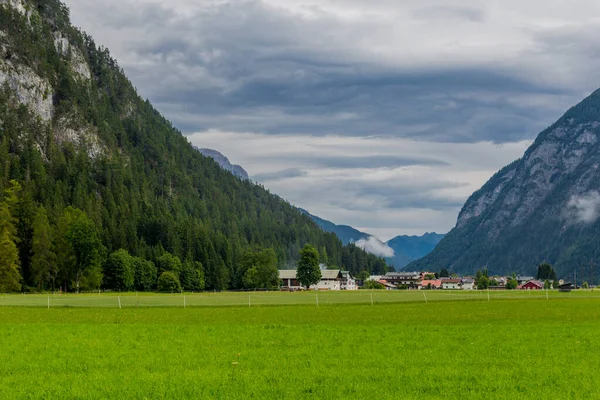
pixel 308 272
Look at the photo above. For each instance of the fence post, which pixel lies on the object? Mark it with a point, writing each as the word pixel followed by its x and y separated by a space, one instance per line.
pixel 371 299
pixel 317 295
pixel 488 294
pixel 48 301
pixel 424 295
pixel 546 294
pixel 248 301
pixel 119 298
pixel 184 301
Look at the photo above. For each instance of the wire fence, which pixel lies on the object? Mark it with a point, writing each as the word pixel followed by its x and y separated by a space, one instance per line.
pixel 260 299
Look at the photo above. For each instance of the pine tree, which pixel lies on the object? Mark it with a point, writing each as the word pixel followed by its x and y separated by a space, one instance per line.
pixel 10 276
pixel 9 264
pixel 43 260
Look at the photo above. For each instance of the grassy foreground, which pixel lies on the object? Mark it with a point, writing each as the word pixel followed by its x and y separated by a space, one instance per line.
pixel 504 349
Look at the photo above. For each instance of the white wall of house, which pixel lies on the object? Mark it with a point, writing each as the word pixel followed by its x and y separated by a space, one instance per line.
pixel 468 285
pixel 349 284
pixel 328 284
pixel 449 285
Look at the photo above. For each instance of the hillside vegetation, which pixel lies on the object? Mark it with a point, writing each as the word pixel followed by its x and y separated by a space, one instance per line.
pixel 87 168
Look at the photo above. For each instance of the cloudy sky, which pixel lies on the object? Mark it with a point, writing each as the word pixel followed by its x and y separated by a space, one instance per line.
pixel 384 115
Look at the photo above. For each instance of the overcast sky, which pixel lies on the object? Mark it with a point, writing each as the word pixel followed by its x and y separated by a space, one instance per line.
pixel 383 114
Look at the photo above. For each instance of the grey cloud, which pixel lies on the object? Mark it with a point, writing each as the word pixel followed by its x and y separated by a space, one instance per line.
pixel 250 67
pixel 278 175
pixel 351 162
pixel 395 195
pixel 467 13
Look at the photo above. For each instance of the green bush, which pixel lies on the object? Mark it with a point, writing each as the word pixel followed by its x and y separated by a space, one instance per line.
pixel 168 282
pixel 372 285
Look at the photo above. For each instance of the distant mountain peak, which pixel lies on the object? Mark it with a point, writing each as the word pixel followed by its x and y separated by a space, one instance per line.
pixel 224 163
pixel 402 249
pixel 543 207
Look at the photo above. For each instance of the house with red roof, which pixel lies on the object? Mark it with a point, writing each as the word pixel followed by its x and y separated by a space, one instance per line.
pixel 431 284
pixel 532 285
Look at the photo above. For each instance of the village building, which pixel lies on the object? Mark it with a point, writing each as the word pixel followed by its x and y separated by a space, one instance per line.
pixel 467 284
pixel 451 283
pixel 331 279
pixel 348 281
pixel 532 285
pixel 524 279
pixel 431 284
pixel 411 279
pixel 387 285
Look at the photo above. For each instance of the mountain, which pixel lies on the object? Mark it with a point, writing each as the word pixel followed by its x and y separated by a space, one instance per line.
pixel 410 248
pixel 224 163
pixel 405 248
pixel 345 233
pixel 87 167
pixel 543 207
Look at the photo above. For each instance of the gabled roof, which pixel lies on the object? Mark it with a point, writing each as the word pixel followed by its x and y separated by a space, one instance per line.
pixel 325 274
pixel 401 274
pixel 346 274
pixel 432 282
pixel 450 280
pixel 330 274
pixel 287 274
pixel 534 282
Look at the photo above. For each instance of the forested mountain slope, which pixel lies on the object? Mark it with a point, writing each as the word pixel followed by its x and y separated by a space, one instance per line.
pixel 541 208
pixel 87 168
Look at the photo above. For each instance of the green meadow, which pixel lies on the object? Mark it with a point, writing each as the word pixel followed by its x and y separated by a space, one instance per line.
pixel 528 347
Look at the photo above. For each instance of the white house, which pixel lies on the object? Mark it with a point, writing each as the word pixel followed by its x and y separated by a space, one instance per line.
pixel 450 283
pixel 468 284
pixel 348 281
pixel 331 279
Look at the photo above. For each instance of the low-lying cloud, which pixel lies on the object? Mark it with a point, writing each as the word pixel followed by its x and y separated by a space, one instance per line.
pixel 585 208
pixel 375 246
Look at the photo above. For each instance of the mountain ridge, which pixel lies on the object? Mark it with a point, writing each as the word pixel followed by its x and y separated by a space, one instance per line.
pixel 542 207
pixel 224 163
pixel 78 143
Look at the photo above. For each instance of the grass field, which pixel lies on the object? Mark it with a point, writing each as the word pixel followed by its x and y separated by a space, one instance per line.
pixel 519 348
pixel 253 299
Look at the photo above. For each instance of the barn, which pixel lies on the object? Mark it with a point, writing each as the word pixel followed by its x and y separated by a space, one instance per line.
pixel 532 285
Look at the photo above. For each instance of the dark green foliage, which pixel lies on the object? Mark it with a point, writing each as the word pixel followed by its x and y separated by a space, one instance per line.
pixel 44 269
pixel 168 262
pixel 545 272
pixel 10 277
pixel 144 274
pixel 363 276
pixel 372 285
pixel 444 273
pixel 260 268
pixel 89 253
pixel 9 264
pixel 119 271
pixel 482 280
pixel 511 284
pixel 308 272
pixel 168 283
pixel 192 276
pixel 140 184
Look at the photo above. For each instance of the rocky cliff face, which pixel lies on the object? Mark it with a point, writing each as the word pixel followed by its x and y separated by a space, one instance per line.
pixel 224 163
pixel 32 83
pixel 543 207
